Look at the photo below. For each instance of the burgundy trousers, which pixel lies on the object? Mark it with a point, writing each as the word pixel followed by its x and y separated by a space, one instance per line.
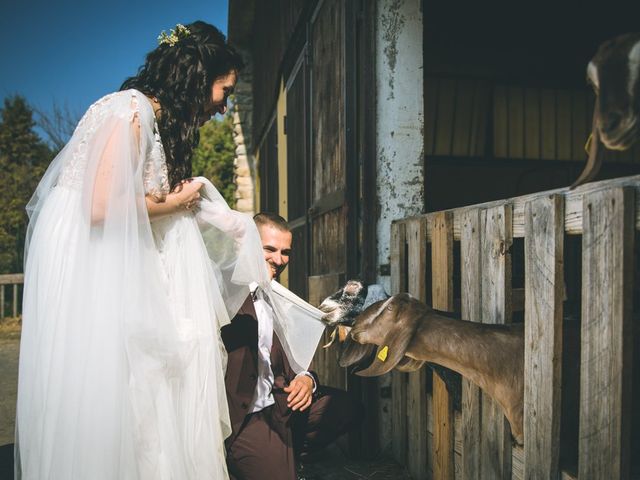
pixel 266 445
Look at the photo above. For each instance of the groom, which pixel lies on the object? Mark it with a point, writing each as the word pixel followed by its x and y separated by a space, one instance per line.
pixel 276 413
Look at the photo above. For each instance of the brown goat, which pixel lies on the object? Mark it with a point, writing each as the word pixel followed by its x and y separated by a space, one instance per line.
pixel 614 73
pixel 409 333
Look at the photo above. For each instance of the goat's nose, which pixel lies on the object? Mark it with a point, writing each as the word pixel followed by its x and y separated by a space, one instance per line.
pixel 611 121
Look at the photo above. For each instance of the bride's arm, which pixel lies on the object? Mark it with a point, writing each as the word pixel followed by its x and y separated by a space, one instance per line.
pixel 178 200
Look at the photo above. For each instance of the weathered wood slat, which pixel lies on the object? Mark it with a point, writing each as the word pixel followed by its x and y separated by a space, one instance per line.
pixel 606 356
pixel 471 288
pixel 398 379
pixel 442 295
pixel 496 242
pixel 573 206
pixel 416 234
pixel 11 278
pixel 544 241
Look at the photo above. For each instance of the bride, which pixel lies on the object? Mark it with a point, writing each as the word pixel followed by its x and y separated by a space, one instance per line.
pixel 131 269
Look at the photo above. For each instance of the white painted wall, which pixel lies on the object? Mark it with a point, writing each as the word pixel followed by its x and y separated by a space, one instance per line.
pixel 400 140
pixel 399 117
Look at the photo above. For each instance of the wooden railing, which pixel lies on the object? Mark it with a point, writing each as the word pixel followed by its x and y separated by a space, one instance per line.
pixel 467 253
pixel 15 280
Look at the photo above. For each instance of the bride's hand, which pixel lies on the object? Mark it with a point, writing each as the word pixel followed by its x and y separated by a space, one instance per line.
pixel 186 196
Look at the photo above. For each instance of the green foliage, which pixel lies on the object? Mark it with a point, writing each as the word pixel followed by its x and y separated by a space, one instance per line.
pixel 23 159
pixel 213 158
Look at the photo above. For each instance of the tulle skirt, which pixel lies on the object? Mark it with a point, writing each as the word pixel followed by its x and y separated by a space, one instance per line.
pixel 121 364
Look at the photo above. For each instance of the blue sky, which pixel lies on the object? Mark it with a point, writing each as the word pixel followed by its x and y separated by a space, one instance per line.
pixel 74 52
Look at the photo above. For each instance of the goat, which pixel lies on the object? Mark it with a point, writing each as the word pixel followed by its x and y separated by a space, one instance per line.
pixel 408 333
pixel 614 73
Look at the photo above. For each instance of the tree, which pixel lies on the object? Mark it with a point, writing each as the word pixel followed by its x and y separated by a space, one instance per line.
pixel 58 124
pixel 23 159
pixel 213 158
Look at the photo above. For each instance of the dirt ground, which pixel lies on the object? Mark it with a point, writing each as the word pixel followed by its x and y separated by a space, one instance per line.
pixel 331 464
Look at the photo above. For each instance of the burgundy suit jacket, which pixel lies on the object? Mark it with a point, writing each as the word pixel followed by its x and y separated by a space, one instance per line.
pixel 240 338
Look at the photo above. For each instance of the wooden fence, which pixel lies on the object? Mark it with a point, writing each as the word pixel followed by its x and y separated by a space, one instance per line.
pixel 462 260
pixel 15 280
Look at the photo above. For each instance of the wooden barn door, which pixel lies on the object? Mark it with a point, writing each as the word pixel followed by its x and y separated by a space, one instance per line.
pixel 297 131
pixel 332 229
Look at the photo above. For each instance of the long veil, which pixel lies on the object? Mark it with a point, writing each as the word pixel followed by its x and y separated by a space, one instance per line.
pixel 121 366
pixel 121 375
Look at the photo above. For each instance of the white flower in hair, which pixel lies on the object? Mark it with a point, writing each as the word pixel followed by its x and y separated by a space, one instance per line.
pixel 175 35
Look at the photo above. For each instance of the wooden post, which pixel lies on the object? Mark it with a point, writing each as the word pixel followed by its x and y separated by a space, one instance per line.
pixel 398 379
pixel 471 290
pixel 496 241
pixel 442 292
pixel 15 300
pixel 544 290
pixel 606 353
pixel 2 301
pixel 416 234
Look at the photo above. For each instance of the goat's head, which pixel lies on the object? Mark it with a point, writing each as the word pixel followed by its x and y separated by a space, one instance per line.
pixel 614 73
pixel 389 324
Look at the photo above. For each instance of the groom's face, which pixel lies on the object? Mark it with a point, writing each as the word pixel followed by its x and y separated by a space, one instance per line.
pixel 276 246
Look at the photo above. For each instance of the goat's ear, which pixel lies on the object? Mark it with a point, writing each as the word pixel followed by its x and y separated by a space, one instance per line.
pixel 394 346
pixel 408 364
pixel 353 352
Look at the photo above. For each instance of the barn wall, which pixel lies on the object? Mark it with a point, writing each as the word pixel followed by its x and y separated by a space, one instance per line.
pixel 399 137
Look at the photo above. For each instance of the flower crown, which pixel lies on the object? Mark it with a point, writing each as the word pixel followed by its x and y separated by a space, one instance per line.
pixel 174 36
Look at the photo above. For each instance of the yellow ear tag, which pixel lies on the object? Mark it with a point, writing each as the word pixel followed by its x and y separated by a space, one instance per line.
pixel 382 354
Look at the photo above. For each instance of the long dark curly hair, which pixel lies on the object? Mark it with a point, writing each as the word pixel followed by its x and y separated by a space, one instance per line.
pixel 180 76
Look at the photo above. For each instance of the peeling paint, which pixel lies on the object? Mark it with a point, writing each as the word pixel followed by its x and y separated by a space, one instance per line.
pixel 399 117
pixel 392 21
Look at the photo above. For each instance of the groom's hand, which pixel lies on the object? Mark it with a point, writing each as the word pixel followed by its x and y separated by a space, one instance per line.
pixel 300 392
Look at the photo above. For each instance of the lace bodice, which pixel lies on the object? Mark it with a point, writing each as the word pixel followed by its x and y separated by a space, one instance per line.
pixel 156 176
pixel 96 127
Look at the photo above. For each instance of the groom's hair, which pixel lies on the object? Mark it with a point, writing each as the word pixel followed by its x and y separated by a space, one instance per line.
pixel 268 218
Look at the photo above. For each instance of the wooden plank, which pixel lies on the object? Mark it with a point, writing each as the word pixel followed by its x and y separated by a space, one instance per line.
pixel 471 288
pixel 496 242
pixel 15 300
pixel 442 260
pixel 563 124
pixel 321 286
pixel 416 233
pixel 399 416
pixel 606 353
pixel 544 292
pixel 463 118
pixel 442 299
pixel 398 379
pixel 515 108
pixel 398 258
pixel 548 124
pixel 500 122
pixel 573 206
pixel 532 123
pixel 11 278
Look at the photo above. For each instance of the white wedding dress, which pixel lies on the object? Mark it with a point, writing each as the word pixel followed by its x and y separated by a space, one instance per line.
pixel 121 363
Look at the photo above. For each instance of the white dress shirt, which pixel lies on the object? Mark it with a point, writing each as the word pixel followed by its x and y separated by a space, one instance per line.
pixel 263 397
